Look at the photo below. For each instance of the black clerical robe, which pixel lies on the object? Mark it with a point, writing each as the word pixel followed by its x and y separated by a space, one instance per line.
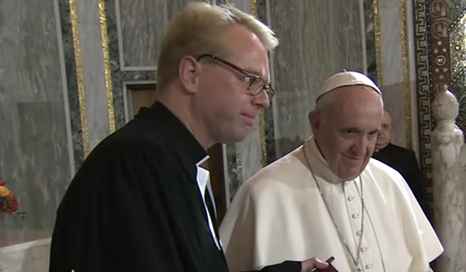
pixel 404 161
pixel 135 205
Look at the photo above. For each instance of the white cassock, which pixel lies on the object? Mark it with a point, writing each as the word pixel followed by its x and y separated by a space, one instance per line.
pixel 279 214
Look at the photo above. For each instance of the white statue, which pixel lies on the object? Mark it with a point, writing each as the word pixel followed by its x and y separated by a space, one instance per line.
pixel 448 182
pixel 447 137
pixel 463 163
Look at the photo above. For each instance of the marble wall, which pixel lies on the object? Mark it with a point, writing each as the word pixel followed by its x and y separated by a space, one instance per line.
pixel 36 158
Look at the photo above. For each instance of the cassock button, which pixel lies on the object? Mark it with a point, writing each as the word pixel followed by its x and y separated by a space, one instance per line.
pixel 355 215
pixel 364 249
pixel 368 266
pixel 350 198
pixel 358 233
pixel 358 269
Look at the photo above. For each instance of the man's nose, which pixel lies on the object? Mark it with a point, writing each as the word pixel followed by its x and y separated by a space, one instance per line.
pixel 360 145
pixel 261 100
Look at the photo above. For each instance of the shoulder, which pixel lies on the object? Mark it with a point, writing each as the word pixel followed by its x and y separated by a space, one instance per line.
pixel 122 143
pixel 380 171
pixel 384 176
pixel 377 167
pixel 122 156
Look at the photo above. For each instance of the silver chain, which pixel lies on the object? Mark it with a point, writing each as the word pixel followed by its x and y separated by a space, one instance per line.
pixel 356 260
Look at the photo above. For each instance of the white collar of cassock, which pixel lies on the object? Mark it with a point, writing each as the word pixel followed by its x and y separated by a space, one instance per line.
pixel 318 163
pixel 202 176
pixel 203 181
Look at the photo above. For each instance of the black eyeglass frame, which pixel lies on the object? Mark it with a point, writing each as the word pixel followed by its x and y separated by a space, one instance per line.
pixel 249 77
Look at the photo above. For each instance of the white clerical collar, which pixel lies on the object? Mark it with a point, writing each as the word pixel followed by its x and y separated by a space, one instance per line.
pixel 203 182
pixel 202 176
pixel 319 164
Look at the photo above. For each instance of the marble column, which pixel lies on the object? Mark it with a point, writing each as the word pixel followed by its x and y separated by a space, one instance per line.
pixel 448 183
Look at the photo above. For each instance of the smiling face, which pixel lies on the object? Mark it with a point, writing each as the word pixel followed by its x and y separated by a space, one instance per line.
pixel 224 102
pixel 346 128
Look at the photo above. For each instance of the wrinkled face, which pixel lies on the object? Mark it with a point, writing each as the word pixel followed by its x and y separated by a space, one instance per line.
pixel 385 132
pixel 346 130
pixel 225 99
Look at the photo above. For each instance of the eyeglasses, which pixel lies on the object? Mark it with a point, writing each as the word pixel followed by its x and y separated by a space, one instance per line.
pixel 255 83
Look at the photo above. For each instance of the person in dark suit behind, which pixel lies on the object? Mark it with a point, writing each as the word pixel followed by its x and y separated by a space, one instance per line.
pixel 401 159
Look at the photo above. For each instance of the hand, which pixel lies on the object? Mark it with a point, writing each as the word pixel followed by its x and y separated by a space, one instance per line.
pixel 311 264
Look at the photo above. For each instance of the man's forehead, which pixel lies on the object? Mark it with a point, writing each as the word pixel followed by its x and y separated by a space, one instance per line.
pixel 363 118
pixel 253 68
pixel 387 116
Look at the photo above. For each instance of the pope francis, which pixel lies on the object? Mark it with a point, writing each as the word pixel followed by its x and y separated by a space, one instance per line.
pixel 329 198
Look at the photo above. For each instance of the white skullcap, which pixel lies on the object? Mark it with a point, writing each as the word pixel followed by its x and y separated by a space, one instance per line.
pixel 346 78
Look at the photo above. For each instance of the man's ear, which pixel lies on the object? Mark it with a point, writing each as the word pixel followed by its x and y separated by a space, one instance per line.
pixel 314 120
pixel 188 72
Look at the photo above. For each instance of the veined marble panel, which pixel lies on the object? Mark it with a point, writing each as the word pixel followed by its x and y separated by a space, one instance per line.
pixel 251 151
pixel 323 38
pixel 93 70
pixel 369 25
pixel 141 25
pixel 176 5
pixel 26 257
pixel 34 138
pixel 244 5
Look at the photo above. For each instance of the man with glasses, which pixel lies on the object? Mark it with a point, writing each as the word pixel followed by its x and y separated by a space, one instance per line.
pixel 137 202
